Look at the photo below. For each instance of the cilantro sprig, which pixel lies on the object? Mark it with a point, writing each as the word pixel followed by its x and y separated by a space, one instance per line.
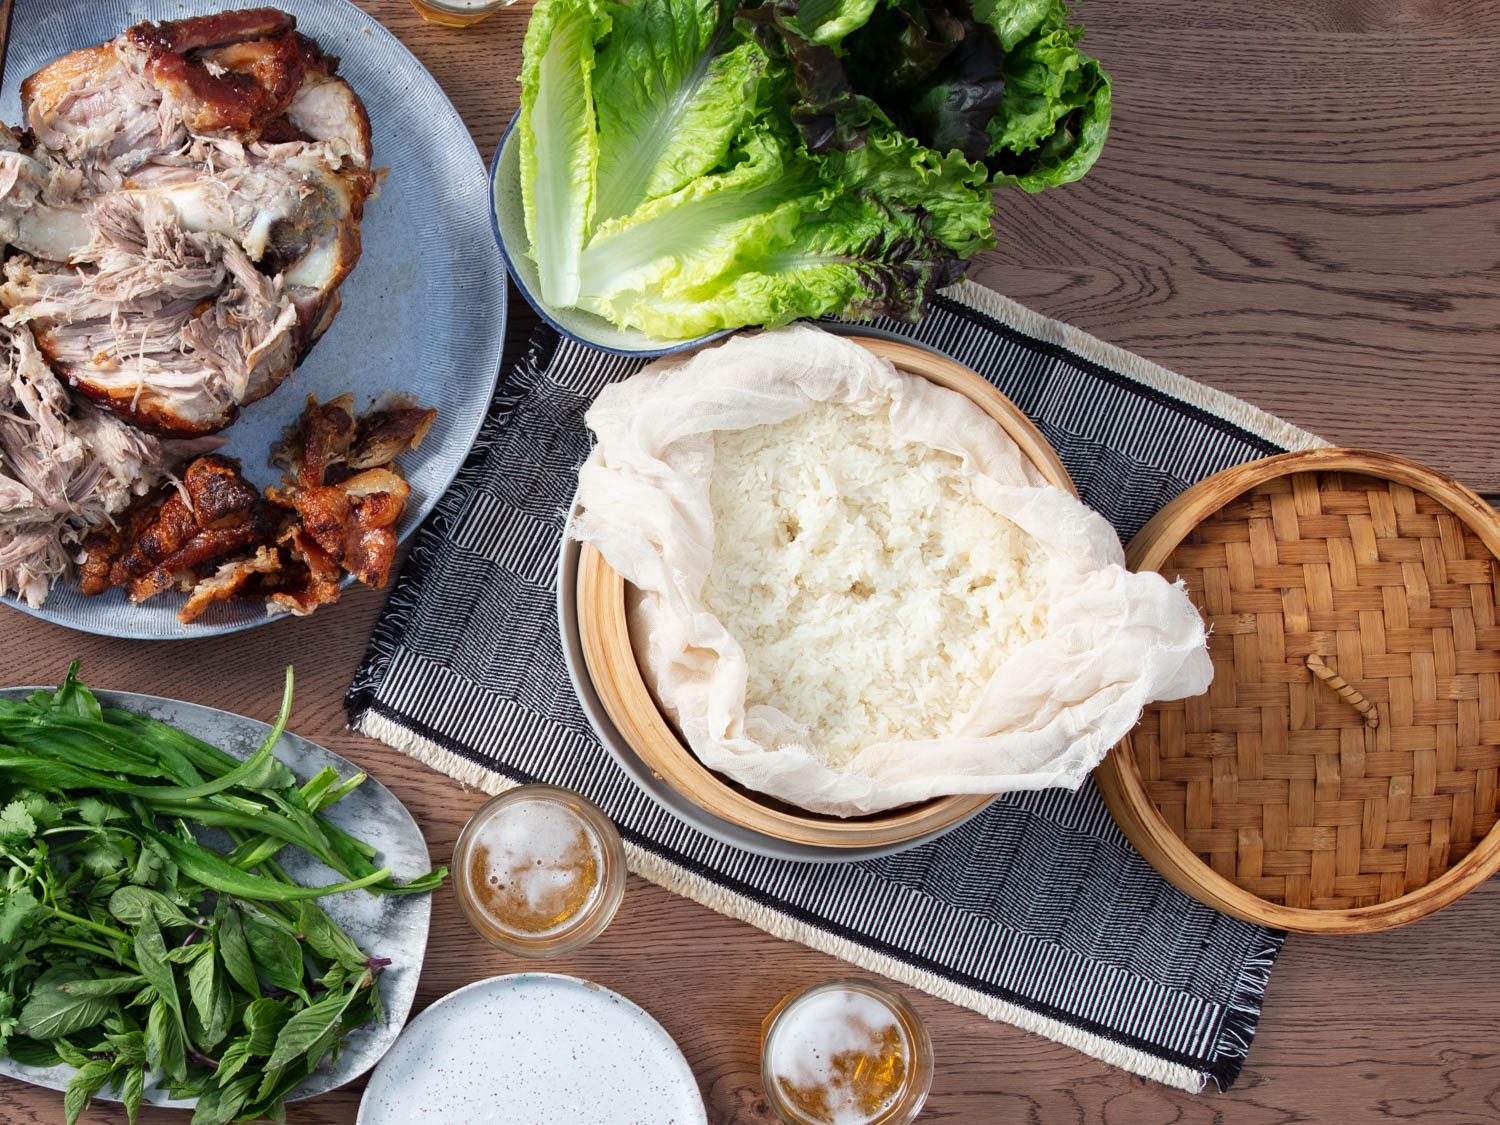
pixel 148 931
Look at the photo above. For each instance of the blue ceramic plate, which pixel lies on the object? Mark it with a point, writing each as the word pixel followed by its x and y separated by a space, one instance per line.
pixel 424 311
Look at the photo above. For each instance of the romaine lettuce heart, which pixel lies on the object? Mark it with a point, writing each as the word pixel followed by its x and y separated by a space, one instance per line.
pixel 559 151
pixel 673 88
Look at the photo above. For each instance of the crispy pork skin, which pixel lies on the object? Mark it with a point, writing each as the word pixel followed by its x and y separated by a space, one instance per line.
pixel 213 535
pixel 230 580
pixel 214 515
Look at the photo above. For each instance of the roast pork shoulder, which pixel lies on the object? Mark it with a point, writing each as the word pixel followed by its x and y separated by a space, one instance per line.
pixel 184 211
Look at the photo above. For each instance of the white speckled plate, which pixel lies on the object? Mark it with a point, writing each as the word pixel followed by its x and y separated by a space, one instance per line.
pixel 533 1049
pixel 423 312
pixel 390 926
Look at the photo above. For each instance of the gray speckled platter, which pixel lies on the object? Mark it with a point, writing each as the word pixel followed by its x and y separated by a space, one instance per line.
pixel 538 1049
pixel 424 311
pixel 393 926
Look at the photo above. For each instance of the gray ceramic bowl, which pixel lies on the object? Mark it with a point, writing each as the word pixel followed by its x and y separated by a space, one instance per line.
pixel 509 221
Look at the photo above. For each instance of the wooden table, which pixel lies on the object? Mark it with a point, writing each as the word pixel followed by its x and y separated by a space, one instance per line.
pixel 1300 204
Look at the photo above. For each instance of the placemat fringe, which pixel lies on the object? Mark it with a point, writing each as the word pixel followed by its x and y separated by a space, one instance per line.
pixel 1243 1011
pixel 675 879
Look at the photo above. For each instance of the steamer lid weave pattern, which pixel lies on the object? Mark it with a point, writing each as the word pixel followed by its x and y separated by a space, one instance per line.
pixel 1299 794
pixel 1037 911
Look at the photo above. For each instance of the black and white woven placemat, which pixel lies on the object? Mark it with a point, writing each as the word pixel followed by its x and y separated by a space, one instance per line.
pixel 1037 911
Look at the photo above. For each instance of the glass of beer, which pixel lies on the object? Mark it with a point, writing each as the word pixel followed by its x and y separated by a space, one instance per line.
pixel 458 13
pixel 539 871
pixel 849 1052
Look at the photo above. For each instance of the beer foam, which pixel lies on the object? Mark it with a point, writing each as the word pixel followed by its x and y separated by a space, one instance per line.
pixel 539 866
pixel 815 1039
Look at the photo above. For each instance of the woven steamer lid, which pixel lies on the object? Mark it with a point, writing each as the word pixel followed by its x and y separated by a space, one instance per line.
pixel 1340 773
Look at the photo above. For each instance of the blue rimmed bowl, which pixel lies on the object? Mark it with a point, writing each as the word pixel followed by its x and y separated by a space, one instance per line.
pixel 508 218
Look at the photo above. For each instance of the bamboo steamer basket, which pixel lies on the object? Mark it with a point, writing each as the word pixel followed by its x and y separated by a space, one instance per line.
pixel 1339 776
pixel 616 676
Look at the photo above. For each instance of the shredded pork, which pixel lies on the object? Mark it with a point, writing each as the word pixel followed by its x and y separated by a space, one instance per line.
pixel 63 468
pixel 177 218
pixel 187 209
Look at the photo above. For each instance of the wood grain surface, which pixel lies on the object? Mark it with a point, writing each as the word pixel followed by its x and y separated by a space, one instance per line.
pixel 1300 204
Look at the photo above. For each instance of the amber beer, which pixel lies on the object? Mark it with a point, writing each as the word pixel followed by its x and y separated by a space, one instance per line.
pixel 539 871
pixel 848 1052
pixel 458 13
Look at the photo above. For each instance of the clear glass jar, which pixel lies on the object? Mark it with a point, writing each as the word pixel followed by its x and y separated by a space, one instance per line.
pixel 849 1052
pixel 539 871
pixel 458 13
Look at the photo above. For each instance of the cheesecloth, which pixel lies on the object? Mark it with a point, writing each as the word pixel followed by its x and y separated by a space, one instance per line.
pixel 1112 641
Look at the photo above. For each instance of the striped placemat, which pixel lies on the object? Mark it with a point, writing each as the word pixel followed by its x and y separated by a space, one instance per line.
pixel 1037 911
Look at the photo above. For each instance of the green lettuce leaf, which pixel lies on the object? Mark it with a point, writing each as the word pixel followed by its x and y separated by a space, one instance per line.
pixel 1054 114
pixel 1074 145
pixel 559 153
pixel 873 231
pixel 699 232
pixel 828 22
pixel 674 86
pixel 1014 20
pixel 899 173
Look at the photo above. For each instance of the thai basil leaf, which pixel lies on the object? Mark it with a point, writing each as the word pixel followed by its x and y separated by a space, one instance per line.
pixel 51 1013
pixel 132 1089
pixel 165 1046
pixel 103 986
pixel 310 1032
pixel 234 951
pixel 327 939
pixel 264 1020
pixel 233 1059
pixel 132 905
pixel 211 1000
pixel 32 1052
pixel 83 1085
pixel 224 1102
pixel 189 954
pixel 277 954
pixel 129 1046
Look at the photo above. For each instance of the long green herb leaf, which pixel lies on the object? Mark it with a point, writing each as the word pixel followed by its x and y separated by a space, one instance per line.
pixel 130 946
